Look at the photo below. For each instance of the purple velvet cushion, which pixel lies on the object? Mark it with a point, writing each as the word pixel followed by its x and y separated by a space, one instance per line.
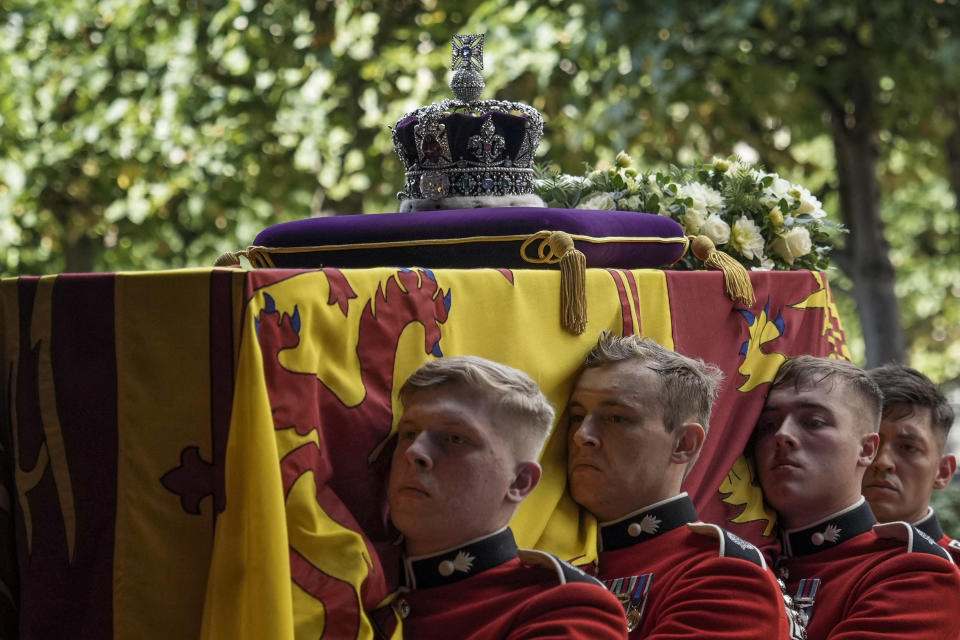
pixel 469 238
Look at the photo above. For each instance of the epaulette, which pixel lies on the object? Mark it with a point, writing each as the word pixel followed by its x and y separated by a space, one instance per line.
pixel 565 571
pixel 917 541
pixel 731 546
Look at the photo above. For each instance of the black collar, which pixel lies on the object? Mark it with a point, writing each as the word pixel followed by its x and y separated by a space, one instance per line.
pixel 831 531
pixel 647 523
pixel 468 559
pixel 930 525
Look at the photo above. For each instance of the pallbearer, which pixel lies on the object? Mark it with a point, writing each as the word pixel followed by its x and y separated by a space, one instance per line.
pixel 469 439
pixel 912 460
pixel 850 577
pixel 638 416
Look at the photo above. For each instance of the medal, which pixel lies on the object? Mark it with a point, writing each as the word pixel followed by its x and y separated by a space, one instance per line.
pixel 633 618
pixel 632 594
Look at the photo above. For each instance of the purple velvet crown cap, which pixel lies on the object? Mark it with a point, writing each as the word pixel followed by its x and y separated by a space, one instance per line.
pixel 459 129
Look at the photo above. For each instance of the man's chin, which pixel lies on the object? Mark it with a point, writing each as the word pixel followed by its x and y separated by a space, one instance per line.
pixel 584 494
pixel 882 508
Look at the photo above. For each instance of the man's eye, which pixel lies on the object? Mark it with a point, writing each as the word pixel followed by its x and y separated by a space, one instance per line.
pixel 408 434
pixel 766 425
pixel 455 439
pixel 616 419
pixel 909 448
pixel 576 418
pixel 814 422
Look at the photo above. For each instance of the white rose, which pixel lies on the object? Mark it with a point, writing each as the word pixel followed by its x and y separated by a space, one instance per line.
pixel 778 189
pixel 809 203
pixel 745 237
pixel 793 244
pixel 716 229
pixel 705 199
pixel 630 203
pixel 692 220
pixel 766 264
pixel 599 200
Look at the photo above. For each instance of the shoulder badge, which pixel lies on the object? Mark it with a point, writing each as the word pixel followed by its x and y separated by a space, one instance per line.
pixel 565 571
pixel 731 546
pixel 917 541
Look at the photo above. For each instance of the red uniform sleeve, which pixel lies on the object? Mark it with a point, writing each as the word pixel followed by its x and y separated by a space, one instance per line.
pixel 914 595
pixel 723 599
pixel 576 610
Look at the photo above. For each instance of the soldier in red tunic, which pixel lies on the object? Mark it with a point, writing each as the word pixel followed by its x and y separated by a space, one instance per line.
pixel 912 460
pixel 850 579
pixel 638 416
pixel 469 439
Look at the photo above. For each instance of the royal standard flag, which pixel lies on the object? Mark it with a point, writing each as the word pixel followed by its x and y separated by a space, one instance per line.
pixel 203 453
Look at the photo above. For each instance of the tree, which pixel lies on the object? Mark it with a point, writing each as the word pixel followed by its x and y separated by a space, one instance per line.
pixel 140 134
pixel 769 72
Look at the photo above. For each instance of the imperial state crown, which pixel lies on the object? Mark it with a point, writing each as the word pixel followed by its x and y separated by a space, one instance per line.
pixel 480 150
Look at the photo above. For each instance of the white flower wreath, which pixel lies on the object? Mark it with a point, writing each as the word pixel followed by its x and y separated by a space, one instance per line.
pixel 757 217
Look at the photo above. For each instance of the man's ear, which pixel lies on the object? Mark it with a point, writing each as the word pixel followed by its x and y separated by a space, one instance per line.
pixel 945 471
pixel 687 442
pixel 528 476
pixel 869 446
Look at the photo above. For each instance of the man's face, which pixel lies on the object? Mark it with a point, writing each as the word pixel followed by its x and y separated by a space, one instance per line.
pixel 907 467
pixel 619 449
pixel 811 449
pixel 451 470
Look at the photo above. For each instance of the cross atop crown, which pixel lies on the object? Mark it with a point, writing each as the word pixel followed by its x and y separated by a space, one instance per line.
pixel 467 51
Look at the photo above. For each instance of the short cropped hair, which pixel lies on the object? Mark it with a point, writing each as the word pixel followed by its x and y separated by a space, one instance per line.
pixel 807 371
pixel 688 386
pixel 905 388
pixel 515 396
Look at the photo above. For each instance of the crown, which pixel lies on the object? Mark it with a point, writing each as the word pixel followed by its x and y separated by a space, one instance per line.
pixel 465 146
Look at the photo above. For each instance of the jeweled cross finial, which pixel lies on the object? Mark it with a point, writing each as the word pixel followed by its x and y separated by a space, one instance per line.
pixel 467 51
pixel 467 84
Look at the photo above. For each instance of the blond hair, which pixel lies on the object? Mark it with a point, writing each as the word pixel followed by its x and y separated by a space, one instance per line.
pixel 516 398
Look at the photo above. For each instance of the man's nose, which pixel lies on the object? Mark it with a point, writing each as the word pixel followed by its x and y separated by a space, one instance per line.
pixel 420 451
pixel 585 434
pixel 786 434
pixel 884 460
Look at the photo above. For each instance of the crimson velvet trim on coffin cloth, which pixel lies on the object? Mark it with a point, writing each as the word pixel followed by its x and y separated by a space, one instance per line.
pixel 469 238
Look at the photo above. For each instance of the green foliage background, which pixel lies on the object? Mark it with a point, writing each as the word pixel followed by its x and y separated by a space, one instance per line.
pixel 152 134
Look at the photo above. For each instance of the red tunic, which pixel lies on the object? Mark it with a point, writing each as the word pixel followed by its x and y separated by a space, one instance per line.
pixel 531 596
pixel 931 526
pixel 855 581
pixel 689 580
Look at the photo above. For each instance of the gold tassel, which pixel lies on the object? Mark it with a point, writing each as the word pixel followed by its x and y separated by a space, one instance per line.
pixel 735 276
pixel 228 259
pixel 573 282
pixel 259 258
